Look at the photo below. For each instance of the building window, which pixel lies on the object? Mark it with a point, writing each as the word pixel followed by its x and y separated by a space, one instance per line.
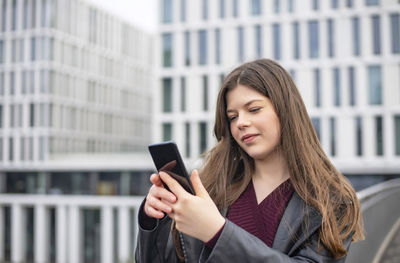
pixel 2 53
pixel 4 16
pixel 396 134
pixel 276 29
pixel 217 46
pixel 204 9
pixel 203 137
pixel 202 47
pixel 183 94
pixel 332 124
pixel 240 35
pixel 336 87
pixel 317 126
pixel 352 86
pixel 187 48
pixel 291 6
pixel 359 136
pixel 317 87
pixel 255 7
pixel 355 21
pixel 33 48
pixel 12 83
pixel 334 4
pixel 2 83
pixel 395 32
pixel 296 40
pixel 167 131
pixel 371 2
pixel 167 11
pixel 277 6
pixel 14 17
pixel 331 38
pixel 187 140
pixel 258 35
pixel 11 149
pixel 379 135
pixel 1 117
pixel 205 92
pixel 183 10
pixel 235 8
pixel 349 3
pixel 292 73
pixel 375 84
pixel 167 94
pixel 315 5
pixel 313 39
pixel 167 49
pixel 376 35
pixel 222 8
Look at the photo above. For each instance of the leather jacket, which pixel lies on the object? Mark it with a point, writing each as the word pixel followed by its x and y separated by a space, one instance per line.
pixel 296 240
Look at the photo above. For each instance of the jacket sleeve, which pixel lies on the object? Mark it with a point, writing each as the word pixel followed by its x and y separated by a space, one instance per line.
pixel 237 245
pixel 151 243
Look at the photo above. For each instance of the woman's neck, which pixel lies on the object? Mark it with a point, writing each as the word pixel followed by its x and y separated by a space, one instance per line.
pixel 272 170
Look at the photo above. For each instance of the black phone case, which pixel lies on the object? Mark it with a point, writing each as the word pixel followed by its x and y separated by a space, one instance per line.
pixel 167 158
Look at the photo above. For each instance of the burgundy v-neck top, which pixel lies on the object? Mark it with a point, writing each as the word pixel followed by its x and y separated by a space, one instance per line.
pixel 261 220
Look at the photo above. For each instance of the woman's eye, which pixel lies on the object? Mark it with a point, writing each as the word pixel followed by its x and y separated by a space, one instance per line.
pixel 254 109
pixel 232 118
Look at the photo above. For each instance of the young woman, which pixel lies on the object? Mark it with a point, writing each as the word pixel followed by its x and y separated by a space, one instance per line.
pixel 268 192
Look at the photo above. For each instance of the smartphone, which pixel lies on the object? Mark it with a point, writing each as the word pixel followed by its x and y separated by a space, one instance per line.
pixel 167 158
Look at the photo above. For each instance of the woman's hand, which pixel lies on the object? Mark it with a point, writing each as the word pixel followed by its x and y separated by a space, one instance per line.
pixel 195 215
pixel 159 199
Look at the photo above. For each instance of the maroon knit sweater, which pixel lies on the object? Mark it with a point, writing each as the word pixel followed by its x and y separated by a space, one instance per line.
pixel 261 220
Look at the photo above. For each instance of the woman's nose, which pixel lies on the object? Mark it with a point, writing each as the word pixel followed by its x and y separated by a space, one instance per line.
pixel 242 122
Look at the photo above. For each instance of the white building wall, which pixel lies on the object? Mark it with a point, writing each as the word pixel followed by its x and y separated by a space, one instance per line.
pixel 346 157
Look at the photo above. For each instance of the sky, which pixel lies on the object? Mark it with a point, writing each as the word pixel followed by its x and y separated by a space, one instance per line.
pixel 142 13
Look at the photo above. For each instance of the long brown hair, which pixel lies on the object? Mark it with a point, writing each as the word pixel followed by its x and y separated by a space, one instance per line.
pixel 228 169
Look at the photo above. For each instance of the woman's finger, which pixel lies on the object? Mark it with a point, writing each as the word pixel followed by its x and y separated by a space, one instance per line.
pixel 156 180
pixel 158 204
pixel 162 193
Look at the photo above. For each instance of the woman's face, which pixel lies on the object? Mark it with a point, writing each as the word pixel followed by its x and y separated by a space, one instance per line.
pixel 254 123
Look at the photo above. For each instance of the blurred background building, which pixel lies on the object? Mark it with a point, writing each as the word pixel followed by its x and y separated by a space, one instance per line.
pixel 78 107
pixel 343 55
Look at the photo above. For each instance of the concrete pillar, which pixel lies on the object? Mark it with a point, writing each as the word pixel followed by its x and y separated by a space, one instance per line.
pixel 107 242
pixel 123 234
pixel 17 238
pixel 74 234
pixel 61 234
pixel 40 241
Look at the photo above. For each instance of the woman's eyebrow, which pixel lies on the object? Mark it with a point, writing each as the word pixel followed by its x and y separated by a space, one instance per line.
pixel 245 105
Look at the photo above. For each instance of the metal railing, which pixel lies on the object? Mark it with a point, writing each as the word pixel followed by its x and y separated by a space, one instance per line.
pixel 68 226
pixel 380 205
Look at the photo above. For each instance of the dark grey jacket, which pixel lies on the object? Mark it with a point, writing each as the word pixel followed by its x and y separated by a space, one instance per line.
pixel 294 242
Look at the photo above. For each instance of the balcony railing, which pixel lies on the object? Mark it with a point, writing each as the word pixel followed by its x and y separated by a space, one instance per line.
pixel 67 230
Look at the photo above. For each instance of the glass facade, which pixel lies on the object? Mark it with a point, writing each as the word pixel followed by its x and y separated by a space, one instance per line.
pixel 313 39
pixel 376 34
pixel 167 11
pixel 167 131
pixel 276 30
pixel 204 9
pixel 259 43
pixel 331 37
pixel 371 2
pixel 235 8
pixel 255 7
pixel 222 8
pixel 336 87
pixel 317 87
pixel 395 33
pixel 183 10
pixel 205 92
pixel 167 50
pixel 317 126
pixel 379 135
pixel 397 134
pixel 187 140
pixel 333 132
pixel 187 49
pixel 277 6
pixel 217 46
pixel 202 47
pixel 352 86
pixel 296 40
pixel 375 84
pixel 167 95
pixel 203 137
pixel 240 41
pixel 355 33
pixel 359 136
pixel 334 4
pixel 315 4
pixel 183 94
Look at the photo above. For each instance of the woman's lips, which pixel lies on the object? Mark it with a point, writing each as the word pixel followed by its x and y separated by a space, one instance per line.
pixel 248 138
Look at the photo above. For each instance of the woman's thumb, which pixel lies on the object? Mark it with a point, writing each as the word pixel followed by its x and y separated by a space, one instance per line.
pixel 197 184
